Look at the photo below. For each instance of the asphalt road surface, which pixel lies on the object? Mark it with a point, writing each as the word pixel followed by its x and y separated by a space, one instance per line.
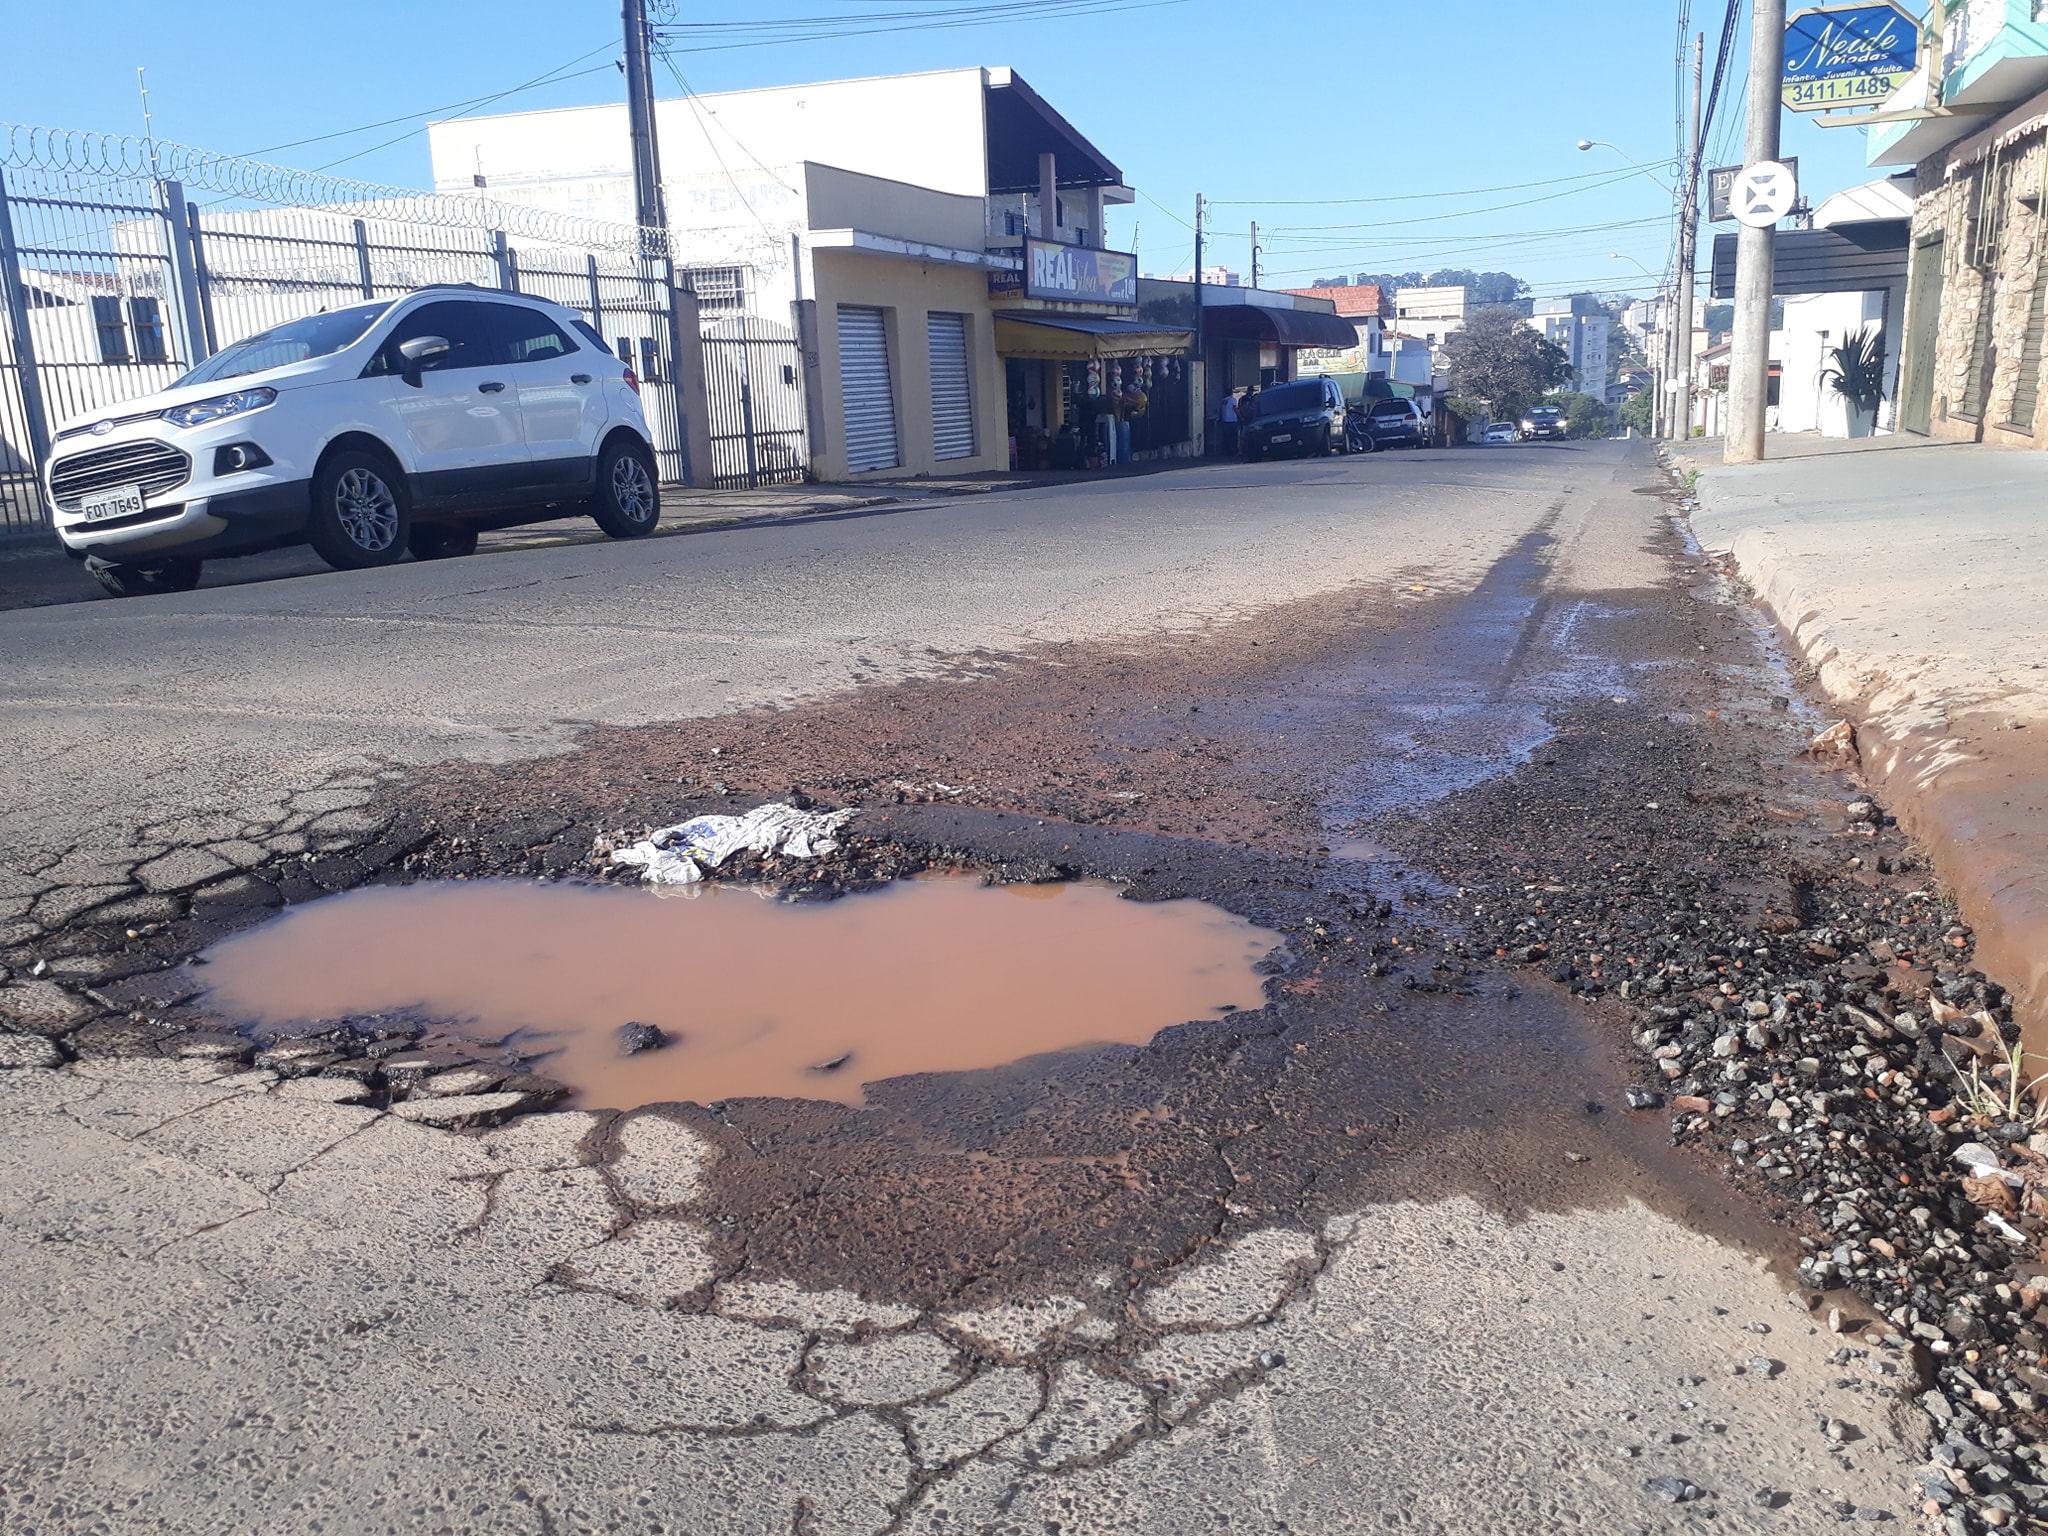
pixel 1407 1267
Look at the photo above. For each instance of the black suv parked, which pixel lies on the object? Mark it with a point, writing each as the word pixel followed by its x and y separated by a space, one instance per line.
pixel 1306 416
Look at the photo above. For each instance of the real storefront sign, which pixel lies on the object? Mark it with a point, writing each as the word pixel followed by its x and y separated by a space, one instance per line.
pixel 1848 55
pixel 1070 273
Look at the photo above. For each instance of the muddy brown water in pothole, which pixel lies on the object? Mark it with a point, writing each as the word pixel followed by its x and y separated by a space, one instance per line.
pixel 939 974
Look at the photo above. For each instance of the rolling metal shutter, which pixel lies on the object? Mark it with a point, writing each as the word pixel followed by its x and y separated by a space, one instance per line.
pixel 865 395
pixel 952 400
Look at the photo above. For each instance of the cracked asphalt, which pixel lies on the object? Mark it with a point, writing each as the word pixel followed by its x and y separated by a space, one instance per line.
pixel 1385 1255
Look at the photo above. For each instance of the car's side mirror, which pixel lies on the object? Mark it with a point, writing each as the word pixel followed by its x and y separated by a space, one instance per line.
pixel 414 355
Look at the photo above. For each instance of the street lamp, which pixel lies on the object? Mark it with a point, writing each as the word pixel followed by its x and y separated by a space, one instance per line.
pixel 1617 256
pixel 1585 144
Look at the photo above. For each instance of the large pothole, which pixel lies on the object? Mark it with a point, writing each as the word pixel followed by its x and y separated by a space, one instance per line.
pixel 753 997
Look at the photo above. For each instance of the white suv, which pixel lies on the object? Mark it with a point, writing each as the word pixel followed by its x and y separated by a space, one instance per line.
pixel 407 424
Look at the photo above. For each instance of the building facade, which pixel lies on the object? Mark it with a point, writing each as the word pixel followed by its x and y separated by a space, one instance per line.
pixel 1976 288
pixel 932 242
pixel 1579 324
pixel 1430 313
pixel 1367 310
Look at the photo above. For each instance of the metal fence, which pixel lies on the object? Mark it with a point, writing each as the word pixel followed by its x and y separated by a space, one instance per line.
pixel 753 381
pixel 115 278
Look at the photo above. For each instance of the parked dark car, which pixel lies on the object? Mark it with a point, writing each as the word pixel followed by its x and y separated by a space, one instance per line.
pixel 1396 424
pixel 1306 416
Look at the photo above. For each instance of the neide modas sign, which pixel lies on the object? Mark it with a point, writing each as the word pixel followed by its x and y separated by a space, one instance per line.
pixel 1072 273
pixel 1848 55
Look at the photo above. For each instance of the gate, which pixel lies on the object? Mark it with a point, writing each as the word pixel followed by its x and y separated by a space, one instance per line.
pixel 113 284
pixel 93 293
pixel 753 384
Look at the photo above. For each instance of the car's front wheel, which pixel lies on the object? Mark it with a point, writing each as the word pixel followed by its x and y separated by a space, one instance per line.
pixel 360 511
pixel 177 574
pixel 627 504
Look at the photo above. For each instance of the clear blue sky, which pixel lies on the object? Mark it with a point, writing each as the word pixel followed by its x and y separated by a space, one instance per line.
pixel 1274 102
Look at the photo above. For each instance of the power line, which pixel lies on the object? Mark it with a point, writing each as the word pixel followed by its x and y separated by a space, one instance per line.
pixel 1728 25
pixel 1183 223
pixel 774 32
pixel 454 106
pixel 1454 239
pixel 1405 197
pixel 1614 178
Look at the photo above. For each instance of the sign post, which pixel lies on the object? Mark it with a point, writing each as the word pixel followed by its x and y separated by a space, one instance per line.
pixel 1849 55
pixel 1749 363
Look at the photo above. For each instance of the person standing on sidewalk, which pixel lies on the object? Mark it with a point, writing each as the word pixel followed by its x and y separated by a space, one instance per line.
pixel 1227 437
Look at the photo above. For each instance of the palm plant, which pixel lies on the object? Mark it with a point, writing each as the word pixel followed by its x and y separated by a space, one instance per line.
pixel 1856 368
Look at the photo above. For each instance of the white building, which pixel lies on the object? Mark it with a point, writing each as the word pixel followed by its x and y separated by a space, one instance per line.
pixel 916 220
pixel 1579 324
pixel 1431 313
pixel 1816 323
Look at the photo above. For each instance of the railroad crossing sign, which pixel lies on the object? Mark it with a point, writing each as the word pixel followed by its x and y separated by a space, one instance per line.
pixel 1763 194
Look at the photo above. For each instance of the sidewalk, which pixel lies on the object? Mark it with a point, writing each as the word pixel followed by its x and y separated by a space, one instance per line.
pixel 1913 576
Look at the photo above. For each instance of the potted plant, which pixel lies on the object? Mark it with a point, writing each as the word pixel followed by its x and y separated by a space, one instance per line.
pixel 1855 373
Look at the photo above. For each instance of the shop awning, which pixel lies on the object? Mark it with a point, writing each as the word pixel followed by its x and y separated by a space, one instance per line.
pixel 1278 327
pixel 1084 338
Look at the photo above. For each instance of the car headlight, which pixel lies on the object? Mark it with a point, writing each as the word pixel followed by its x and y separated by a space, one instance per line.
pixel 1528 426
pixel 198 413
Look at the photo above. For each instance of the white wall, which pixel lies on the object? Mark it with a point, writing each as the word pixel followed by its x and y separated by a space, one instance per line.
pixel 925 129
pixel 1814 324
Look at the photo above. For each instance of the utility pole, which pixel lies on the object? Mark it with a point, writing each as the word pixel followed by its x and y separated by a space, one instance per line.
pixel 1657 352
pixel 1255 253
pixel 649 209
pixel 1688 246
pixel 1201 360
pixel 1756 257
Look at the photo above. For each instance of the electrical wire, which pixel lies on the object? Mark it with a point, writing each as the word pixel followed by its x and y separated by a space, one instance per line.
pixel 1301 240
pixel 1614 179
pixel 1405 197
pixel 552 77
pixel 1183 223
pixel 832 28
pixel 697 113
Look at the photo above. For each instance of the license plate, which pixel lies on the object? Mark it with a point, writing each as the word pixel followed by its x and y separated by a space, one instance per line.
pixel 1283 437
pixel 121 501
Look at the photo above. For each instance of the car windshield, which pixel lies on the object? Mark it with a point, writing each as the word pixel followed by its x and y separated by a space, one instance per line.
pixel 1391 408
pixel 1544 413
pixel 292 342
pixel 1303 395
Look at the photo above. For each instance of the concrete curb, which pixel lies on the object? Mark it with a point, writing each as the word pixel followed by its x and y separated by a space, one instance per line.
pixel 1966 784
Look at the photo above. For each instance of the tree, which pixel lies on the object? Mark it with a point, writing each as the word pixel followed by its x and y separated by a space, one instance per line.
pixel 1499 358
pixel 1481 287
pixel 1586 415
pixel 1638 411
